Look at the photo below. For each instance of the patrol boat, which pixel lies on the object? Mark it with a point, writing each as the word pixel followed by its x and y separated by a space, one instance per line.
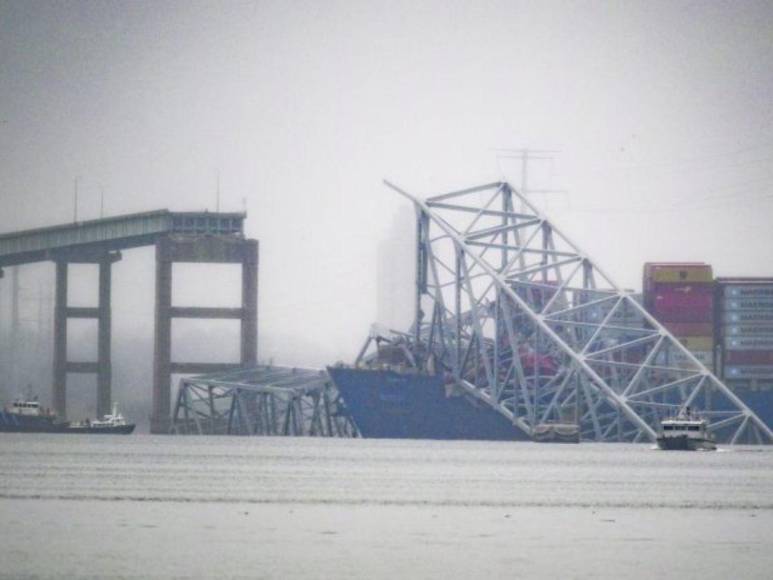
pixel 685 432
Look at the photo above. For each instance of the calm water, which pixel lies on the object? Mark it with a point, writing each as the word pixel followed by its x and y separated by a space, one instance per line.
pixel 143 506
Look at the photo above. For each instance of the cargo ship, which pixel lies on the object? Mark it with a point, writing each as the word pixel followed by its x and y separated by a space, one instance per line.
pixel 726 323
pixel 30 417
pixel 402 403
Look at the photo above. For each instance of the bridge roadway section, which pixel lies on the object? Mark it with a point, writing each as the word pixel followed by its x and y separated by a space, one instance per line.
pixel 202 237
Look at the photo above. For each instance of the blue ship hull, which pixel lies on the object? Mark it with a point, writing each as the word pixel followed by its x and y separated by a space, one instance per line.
pixel 13 423
pixel 387 404
pixel 759 401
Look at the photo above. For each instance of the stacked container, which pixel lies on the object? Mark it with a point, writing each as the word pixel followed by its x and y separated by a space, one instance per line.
pixel 745 340
pixel 681 297
pixel 745 330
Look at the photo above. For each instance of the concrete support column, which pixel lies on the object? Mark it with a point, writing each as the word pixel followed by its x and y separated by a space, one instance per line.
pixel 15 345
pixel 249 319
pixel 60 342
pixel 104 369
pixel 162 360
pixel 4 349
pixel 200 249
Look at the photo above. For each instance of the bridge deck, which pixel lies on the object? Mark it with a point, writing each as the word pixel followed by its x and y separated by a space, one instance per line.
pixel 113 233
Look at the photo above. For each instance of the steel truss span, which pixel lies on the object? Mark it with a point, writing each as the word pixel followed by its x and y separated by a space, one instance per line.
pixel 265 400
pixel 515 313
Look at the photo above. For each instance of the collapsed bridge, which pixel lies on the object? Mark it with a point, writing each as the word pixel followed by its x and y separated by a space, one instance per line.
pixel 522 319
pixel 265 400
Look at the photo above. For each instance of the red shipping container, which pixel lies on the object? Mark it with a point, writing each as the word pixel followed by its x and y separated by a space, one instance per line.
pixel 749 357
pixel 666 311
pixel 683 302
pixel 690 328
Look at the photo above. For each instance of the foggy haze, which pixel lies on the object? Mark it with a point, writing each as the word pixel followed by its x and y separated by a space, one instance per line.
pixel 661 111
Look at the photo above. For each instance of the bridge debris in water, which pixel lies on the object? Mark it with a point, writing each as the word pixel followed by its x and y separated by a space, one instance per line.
pixel 265 400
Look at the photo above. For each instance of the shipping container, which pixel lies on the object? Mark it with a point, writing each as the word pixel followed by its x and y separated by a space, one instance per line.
pixel 704 356
pixel 745 326
pixel 683 303
pixel 676 272
pixel 672 273
pixel 754 343
pixel 697 343
pixel 624 314
pixel 747 330
pixel 749 357
pixel 764 304
pixel 734 372
pixel 748 316
pixel 747 290
pixel 683 329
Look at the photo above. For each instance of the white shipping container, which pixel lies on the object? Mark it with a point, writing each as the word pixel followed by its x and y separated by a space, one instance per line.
pixel 749 372
pixel 752 343
pixel 749 317
pixel 747 304
pixel 745 331
pixel 747 290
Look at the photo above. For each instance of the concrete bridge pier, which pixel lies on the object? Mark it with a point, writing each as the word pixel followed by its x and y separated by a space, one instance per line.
pixel 199 249
pixel 102 367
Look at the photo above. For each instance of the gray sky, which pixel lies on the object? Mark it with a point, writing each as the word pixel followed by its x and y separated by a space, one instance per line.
pixel 662 112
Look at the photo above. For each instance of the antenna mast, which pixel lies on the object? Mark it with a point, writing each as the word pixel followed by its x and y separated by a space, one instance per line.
pixel 217 199
pixel 75 201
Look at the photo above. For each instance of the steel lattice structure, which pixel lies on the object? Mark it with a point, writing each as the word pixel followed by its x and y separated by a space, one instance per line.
pixel 265 400
pixel 526 321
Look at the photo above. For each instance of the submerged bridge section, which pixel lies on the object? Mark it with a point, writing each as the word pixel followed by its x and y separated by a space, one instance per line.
pixel 179 237
pixel 520 317
pixel 265 400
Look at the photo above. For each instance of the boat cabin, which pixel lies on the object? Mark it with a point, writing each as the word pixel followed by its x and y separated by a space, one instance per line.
pixel 679 425
pixel 26 408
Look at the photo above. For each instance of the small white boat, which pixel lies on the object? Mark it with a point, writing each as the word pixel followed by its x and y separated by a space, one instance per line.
pixel 685 432
pixel 112 423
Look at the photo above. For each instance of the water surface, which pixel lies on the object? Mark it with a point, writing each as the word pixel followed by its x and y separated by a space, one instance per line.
pixel 144 506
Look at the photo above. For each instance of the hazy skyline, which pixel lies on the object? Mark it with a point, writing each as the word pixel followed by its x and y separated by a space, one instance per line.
pixel 661 112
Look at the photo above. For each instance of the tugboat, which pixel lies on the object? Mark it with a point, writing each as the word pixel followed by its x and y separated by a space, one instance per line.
pixel 111 424
pixel 685 432
pixel 27 416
